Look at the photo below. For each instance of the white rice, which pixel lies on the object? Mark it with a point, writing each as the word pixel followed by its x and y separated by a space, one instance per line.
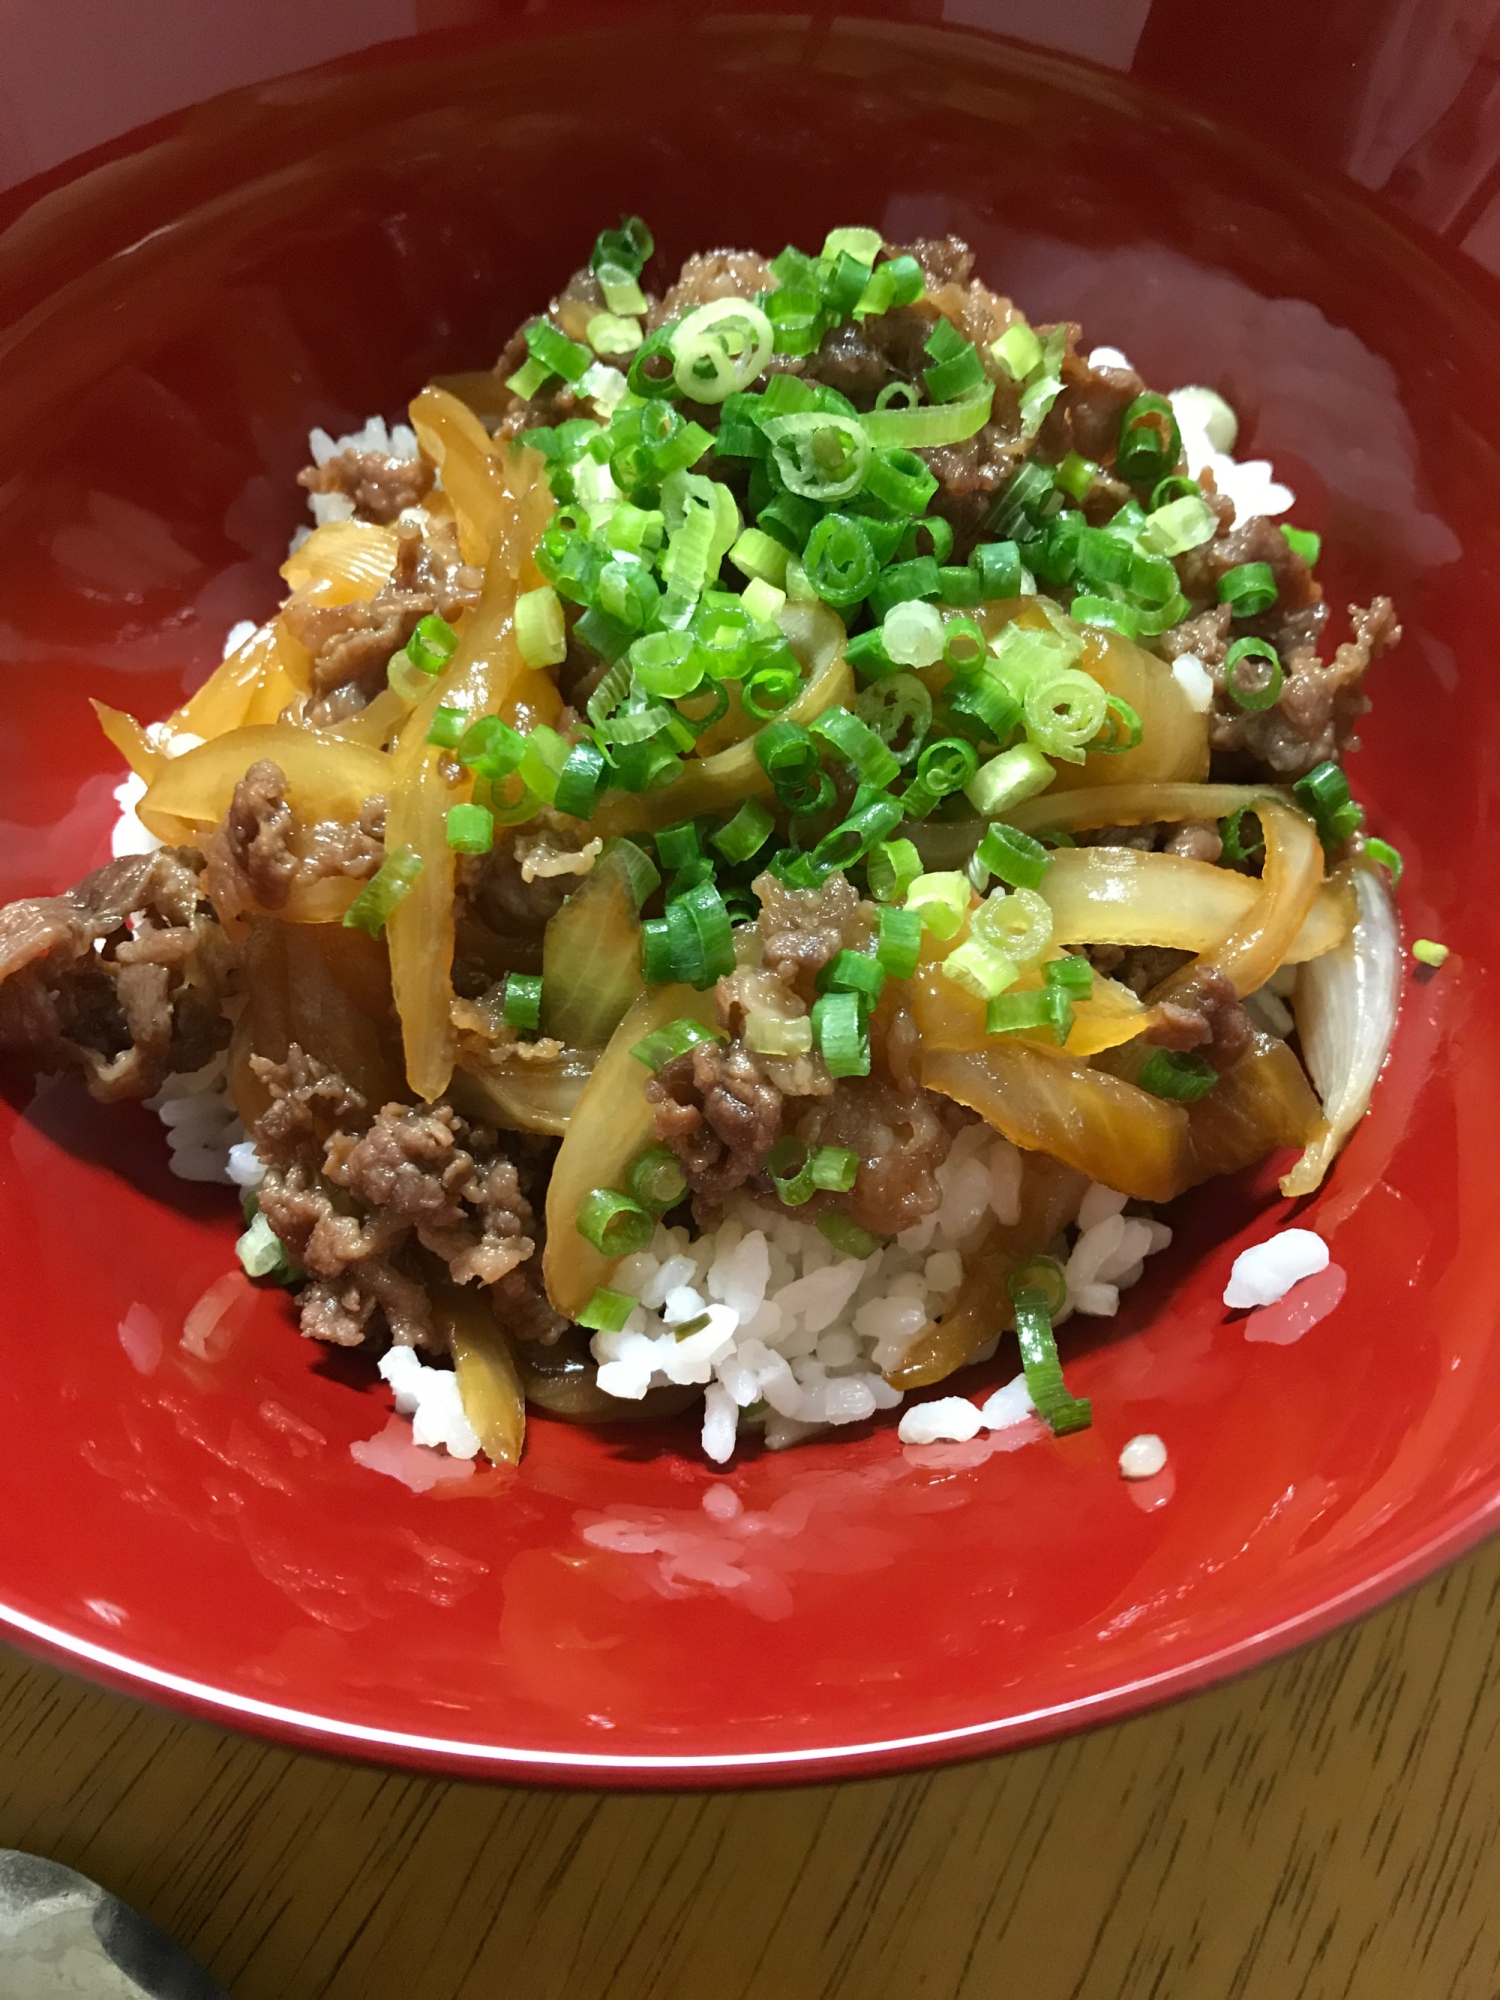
pixel 1267 1271
pixel 203 1128
pixel 395 441
pixel 1143 1457
pixel 791 1336
pixel 429 1396
pixel 1209 430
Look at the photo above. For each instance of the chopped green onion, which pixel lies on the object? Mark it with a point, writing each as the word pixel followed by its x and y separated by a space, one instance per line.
pixel 746 833
pixel 899 709
pixel 892 867
pixel 819 454
pixel 612 333
pixel 528 378
pixel 448 726
pixel 864 245
pixel 899 939
pixel 1150 443
pixel 676 846
pixel 853 972
pixel 1018 350
pixel 491 748
pixel 858 745
pixel 912 633
pixel 999 567
pixel 931 536
pixel 965 647
pixel 550 346
pixel 840 562
pixel 523 1000
pixel 1015 857
pixel 541 635
pixel 1325 793
pixel 613 1223
pixel 656 1180
pixel 942 902
pixel 1178 1075
pixel 959 586
pixel 1071 974
pixel 786 753
pixel 1061 1411
pixel 1046 1277
pixel 1122 725
pixel 1248 589
pixel 383 891
pixel 947 766
pixel 870 820
pixel 470 829
pixel 789 1163
pixel 1389 858
pixel 980 968
pixel 984 708
pixel 834 1169
pixel 1236 850
pixel 432 645
pixel 581 781
pixel 1182 523
pixel 1016 1013
pixel 840 1036
pixel 898 282
pixel 905 581
pixel 606 1311
pixel 1303 542
pixel 719 348
pixel 932 425
pixel 262 1253
pixel 1064 712
pixel 763 600
pixel 902 481
pixel 1244 690
pixel 1019 924
pixel 770 689
pixel 1007 780
pixel 760 556
pixel 846 1235
pixel 675 1039
pixel 1428 952
pixel 1076 474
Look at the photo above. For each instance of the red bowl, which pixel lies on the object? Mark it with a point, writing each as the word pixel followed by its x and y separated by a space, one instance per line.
pixel 184 304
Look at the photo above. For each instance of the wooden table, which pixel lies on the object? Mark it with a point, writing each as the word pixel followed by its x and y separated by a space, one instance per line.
pixel 1326 1830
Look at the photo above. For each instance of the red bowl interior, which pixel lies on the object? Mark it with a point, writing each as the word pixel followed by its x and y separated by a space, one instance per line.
pixel 312 251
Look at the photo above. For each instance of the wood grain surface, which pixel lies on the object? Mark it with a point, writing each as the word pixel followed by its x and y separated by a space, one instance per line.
pixel 1325 1830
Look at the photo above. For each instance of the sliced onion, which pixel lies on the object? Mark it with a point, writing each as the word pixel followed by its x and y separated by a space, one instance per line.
pixel 1105 1127
pixel 342 562
pixel 1262 939
pixel 489 1383
pixel 1134 805
pixel 1346 1005
pixel 1118 895
pixel 524 1096
pixel 326 779
pixel 1264 1102
pixel 951 1018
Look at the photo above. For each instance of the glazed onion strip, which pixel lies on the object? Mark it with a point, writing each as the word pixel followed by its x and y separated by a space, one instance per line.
pixel 1265 936
pixel 1346 1014
pixel 1118 895
pixel 1134 805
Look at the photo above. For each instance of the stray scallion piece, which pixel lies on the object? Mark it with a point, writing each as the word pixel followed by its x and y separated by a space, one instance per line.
pixel 522 1005
pixel 613 1223
pixel 606 1311
pixel 384 890
pixel 1427 951
pixel 675 1039
pixel 846 1235
pixel 1055 1405
pixel 470 829
pixel 1178 1075
pixel 1388 857
pixel 655 1179
pixel 840 1034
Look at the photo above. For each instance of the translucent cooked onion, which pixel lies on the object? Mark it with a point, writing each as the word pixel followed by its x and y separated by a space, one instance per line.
pixel 1136 804
pixel 523 1096
pixel 1105 1127
pixel 473 473
pixel 1346 1005
pixel 612 1122
pixel 326 778
pixel 1118 895
pixel 950 1018
pixel 342 562
pixel 1264 1102
pixel 1174 736
pixel 1263 938
pixel 489 1382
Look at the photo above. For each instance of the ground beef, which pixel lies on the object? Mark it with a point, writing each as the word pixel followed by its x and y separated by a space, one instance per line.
pixel 1205 636
pixel 355 1199
pixel 259 852
pixel 1138 966
pixel 121 979
pixel 1314 716
pixel 1196 841
pixel 719 1112
pixel 945 260
pixel 755 989
pixel 351 644
pixel 801 929
pixel 415 1169
pixel 380 487
pixel 901 1139
pixel 712 274
pixel 1208 1015
pixel 1086 416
